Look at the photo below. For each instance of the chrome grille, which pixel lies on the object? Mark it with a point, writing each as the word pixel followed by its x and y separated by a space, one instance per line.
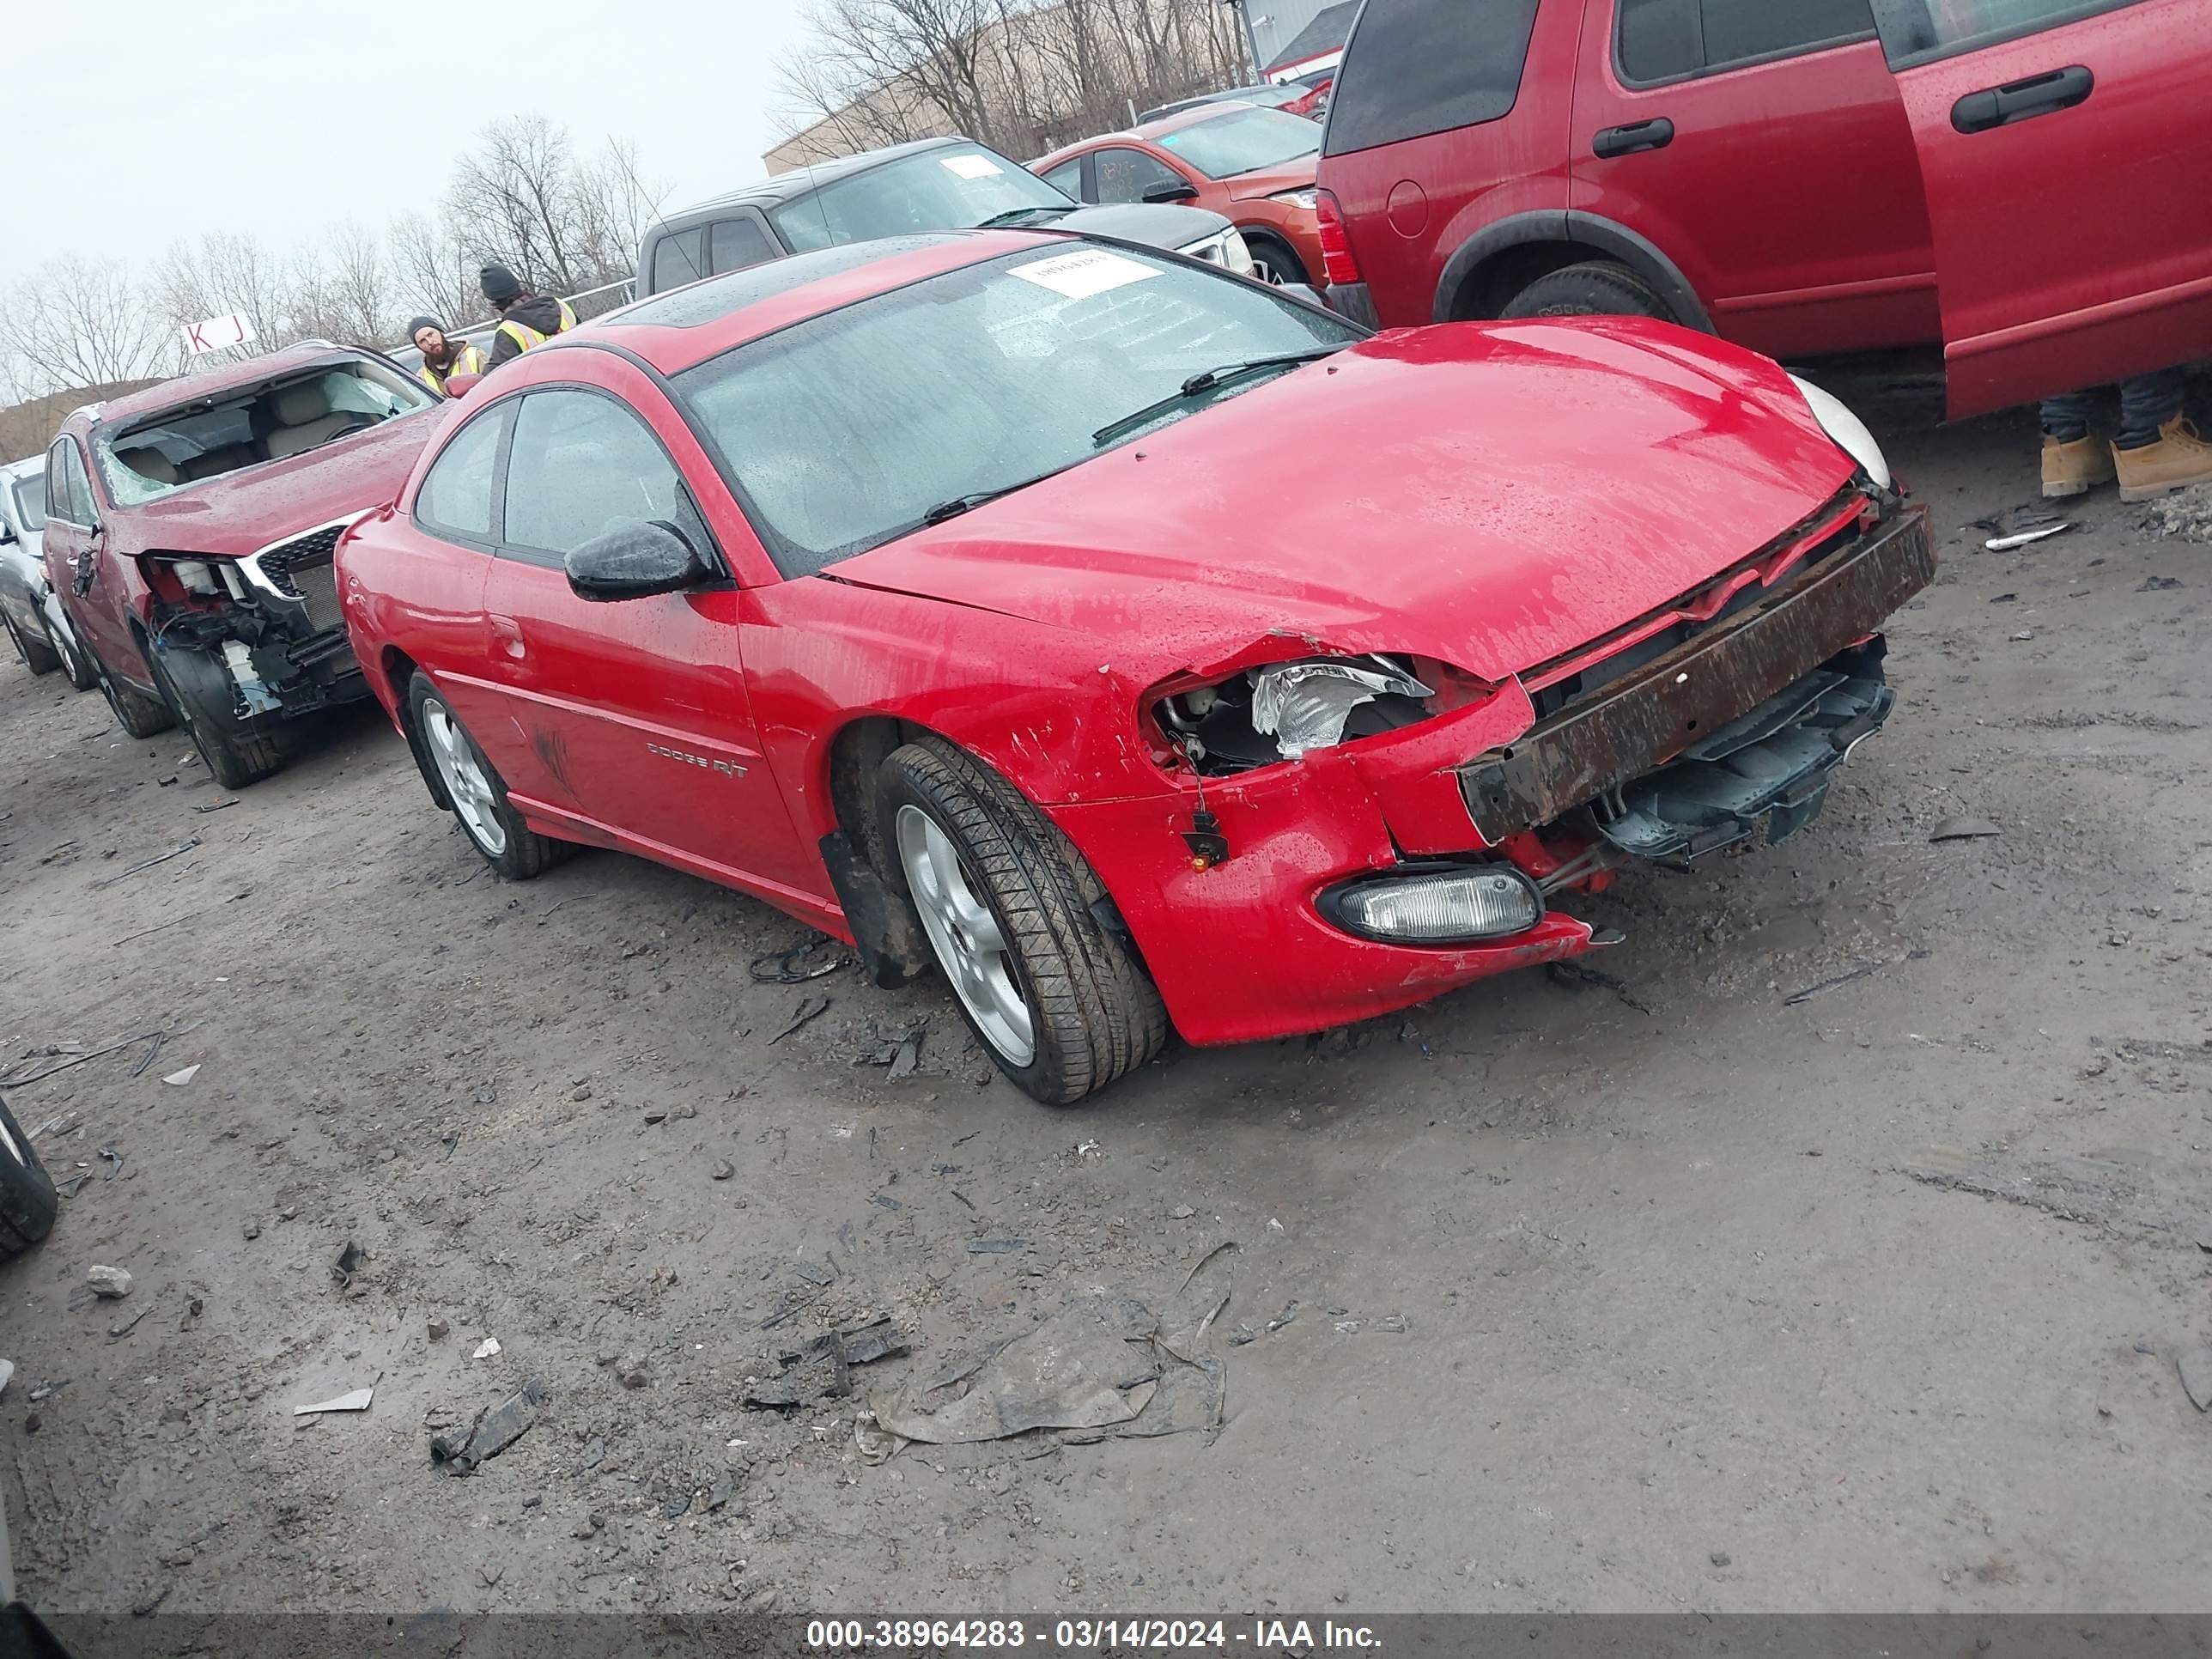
pixel 284 563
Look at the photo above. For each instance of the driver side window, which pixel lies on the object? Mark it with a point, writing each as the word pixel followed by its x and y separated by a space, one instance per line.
pixel 580 464
pixel 1124 175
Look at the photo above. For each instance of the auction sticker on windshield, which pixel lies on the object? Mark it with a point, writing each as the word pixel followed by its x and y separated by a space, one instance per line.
pixel 1080 276
pixel 971 167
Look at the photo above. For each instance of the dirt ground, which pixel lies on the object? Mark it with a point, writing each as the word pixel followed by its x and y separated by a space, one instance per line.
pixel 1691 1294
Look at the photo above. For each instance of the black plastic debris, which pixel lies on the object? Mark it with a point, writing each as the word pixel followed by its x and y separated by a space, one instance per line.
pixel 492 1433
pixel 823 1369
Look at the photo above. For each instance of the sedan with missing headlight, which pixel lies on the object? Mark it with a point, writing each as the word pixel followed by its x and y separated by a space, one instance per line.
pixel 1137 647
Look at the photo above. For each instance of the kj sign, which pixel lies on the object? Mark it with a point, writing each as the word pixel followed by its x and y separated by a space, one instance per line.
pixel 216 332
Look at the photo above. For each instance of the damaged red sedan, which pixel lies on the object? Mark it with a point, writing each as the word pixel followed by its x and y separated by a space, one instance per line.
pixel 1136 645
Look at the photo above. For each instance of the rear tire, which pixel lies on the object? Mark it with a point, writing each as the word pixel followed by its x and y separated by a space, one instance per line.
pixel 141 716
pixel 1596 288
pixel 27 1198
pixel 75 663
pixel 1006 902
pixel 236 758
pixel 470 787
pixel 38 656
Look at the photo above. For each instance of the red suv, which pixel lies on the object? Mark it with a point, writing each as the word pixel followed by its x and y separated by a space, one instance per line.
pixel 1791 175
pixel 189 530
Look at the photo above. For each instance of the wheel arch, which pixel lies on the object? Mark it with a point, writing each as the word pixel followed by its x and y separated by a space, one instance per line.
pixel 1506 255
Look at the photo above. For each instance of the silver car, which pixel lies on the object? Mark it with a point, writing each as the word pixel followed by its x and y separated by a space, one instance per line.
pixel 30 610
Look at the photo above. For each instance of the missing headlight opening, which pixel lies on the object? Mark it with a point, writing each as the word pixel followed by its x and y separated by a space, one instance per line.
pixel 242 640
pixel 1285 711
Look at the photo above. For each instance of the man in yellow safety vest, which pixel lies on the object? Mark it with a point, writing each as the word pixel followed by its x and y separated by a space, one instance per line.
pixel 526 319
pixel 444 356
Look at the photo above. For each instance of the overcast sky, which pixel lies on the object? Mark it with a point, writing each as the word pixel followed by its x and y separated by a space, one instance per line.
pixel 134 122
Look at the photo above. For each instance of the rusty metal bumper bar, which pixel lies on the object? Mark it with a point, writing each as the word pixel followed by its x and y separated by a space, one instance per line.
pixel 1651 714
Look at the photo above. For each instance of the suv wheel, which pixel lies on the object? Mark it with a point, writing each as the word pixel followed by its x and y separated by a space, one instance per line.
pixel 1010 909
pixel 236 759
pixel 1597 289
pixel 142 715
pixel 75 663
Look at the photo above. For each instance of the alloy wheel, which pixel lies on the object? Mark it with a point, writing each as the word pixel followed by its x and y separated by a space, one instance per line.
pixel 463 775
pixel 970 946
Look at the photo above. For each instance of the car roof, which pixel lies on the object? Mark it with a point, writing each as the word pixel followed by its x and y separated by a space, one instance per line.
pixel 30 463
pixel 230 377
pixel 1148 131
pixel 783 188
pixel 684 327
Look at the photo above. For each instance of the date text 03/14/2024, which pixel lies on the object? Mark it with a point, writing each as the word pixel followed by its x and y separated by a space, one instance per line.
pixel 1294 1635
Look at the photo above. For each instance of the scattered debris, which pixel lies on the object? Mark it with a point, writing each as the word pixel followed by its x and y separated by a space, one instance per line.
pixel 355 1400
pixel 809 1009
pixel 1963 830
pixel 2196 1367
pixel 816 958
pixel 491 1574
pixel 55 1128
pixel 215 806
pixel 2022 537
pixel 1182 1212
pixel 1719 1558
pixel 122 1328
pixel 7 1084
pixel 656 1115
pixel 723 1170
pixel 630 1371
pixel 2159 584
pixel 2186 513
pixel 1576 977
pixel 2130 1193
pixel 7 1373
pixel 112 1283
pixel 821 1370
pixel 438 1328
pixel 176 852
pixel 113 1160
pixel 180 1078
pixel 719 1494
pixel 492 1433
pixel 350 1258
pixel 675 1506
pixel 589 1526
pixel 486 1348
pixel 252 1230
pixel 993 1246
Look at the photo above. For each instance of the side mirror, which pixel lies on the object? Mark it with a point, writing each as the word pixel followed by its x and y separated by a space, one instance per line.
pixel 458 385
pixel 1177 192
pixel 635 561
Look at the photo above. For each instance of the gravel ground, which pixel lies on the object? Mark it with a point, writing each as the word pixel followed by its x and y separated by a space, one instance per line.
pixel 1680 1293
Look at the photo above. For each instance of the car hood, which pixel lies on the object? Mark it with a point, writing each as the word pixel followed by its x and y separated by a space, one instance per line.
pixel 1269 181
pixel 241 512
pixel 1155 224
pixel 1491 495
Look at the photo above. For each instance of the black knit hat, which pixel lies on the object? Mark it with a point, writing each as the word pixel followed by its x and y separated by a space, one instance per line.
pixel 499 284
pixel 421 323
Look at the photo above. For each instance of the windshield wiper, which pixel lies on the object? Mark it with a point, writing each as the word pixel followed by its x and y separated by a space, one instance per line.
pixel 1205 381
pixel 1017 216
pixel 959 504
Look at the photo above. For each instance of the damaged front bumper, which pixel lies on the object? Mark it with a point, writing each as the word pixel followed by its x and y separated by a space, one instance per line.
pixel 1734 731
pixel 274 646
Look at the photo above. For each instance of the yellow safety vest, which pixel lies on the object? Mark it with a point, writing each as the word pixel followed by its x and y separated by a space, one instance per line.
pixel 525 336
pixel 467 360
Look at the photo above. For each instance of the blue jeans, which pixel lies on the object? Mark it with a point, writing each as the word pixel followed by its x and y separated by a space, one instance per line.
pixel 2147 402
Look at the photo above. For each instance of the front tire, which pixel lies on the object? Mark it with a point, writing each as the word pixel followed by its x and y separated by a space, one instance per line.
pixel 141 716
pixel 27 1199
pixel 1009 905
pixel 470 787
pixel 1598 288
pixel 1274 262
pixel 236 758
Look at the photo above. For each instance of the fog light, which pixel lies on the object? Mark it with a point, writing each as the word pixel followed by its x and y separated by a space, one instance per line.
pixel 1444 906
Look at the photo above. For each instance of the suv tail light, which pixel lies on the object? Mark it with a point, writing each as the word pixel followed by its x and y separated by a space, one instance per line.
pixel 1337 264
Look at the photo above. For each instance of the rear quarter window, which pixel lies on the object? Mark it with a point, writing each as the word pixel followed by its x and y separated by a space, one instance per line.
pixel 1415 67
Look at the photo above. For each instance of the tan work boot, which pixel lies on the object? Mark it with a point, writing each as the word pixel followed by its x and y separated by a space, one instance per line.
pixel 2178 459
pixel 2076 468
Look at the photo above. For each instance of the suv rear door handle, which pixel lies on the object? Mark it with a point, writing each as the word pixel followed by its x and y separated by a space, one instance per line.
pixel 2021 101
pixel 1655 134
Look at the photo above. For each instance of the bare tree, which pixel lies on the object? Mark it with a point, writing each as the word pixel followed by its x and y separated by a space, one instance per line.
pixel 433 272
pixel 80 322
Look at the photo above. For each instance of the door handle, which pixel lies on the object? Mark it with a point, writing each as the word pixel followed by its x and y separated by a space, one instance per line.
pixel 2021 100
pixel 508 633
pixel 1656 134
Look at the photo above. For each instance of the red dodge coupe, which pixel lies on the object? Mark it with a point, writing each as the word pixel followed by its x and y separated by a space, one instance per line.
pixel 1134 644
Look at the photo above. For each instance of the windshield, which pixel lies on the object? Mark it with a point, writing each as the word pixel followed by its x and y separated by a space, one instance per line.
pixel 232 430
pixel 844 430
pixel 956 188
pixel 30 500
pixel 1243 140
